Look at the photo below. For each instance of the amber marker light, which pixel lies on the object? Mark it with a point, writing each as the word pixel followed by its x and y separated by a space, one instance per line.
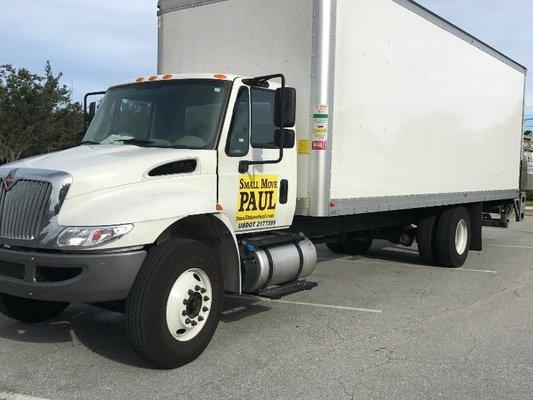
pixel 167 76
pixel 219 207
pixel 139 80
pixel 220 76
pixel 153 78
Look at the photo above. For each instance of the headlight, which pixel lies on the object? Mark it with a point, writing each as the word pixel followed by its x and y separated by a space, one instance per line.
pixel 91 236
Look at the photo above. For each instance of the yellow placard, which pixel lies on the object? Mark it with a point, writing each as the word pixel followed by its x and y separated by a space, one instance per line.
pixel 257 197
pixel 304 146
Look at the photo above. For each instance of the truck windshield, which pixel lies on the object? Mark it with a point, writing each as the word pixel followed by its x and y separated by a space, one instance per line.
pixel 180 114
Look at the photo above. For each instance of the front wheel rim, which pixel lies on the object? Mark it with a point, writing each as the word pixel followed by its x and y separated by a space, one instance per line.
pixel 461 237
pixel 189 304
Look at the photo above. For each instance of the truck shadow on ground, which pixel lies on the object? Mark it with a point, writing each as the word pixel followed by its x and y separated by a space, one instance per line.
pixel 103 332
pixel 385 251
pixel 380 251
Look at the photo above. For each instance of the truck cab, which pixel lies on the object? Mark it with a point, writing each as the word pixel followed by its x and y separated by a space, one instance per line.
pixel 213 126
pixel 182 162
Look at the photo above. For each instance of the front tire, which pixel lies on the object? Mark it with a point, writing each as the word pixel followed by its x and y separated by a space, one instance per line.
pixel 174 307
pixel 29 310
pixel 453 237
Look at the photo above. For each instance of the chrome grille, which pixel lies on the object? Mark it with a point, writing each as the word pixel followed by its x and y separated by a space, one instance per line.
pixel 23 208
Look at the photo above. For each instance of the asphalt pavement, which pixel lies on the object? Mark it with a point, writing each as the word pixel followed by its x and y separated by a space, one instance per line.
pixel 381 326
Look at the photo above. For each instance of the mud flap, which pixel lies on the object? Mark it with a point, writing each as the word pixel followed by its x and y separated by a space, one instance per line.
pixel 520 207
pixel 475 212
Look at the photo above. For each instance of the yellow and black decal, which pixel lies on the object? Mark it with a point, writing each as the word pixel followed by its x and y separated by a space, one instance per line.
pixel 257 200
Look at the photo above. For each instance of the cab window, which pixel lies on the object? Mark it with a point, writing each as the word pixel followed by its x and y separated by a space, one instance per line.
pixel 239 134
pixel 263 128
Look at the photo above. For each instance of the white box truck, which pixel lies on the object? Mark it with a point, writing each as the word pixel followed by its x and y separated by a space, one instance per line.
pixel 271 126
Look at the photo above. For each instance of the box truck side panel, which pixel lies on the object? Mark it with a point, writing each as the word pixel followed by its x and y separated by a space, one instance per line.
pixel 422 117
pixel 245 38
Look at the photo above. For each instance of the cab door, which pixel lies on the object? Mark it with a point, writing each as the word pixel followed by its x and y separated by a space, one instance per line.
pixel 264 197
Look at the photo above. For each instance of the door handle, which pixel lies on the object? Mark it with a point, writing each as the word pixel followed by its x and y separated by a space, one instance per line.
pixel 283 191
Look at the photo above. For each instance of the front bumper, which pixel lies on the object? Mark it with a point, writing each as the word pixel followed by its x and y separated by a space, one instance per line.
pixel 86 278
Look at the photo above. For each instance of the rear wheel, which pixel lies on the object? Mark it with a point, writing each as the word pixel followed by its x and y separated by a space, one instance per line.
pixel 426 238
pixel 453 237
pixel 175 304
pixel 29 310
pixel 348 245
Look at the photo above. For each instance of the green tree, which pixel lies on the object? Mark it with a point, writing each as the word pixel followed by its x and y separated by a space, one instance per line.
pixel 37 114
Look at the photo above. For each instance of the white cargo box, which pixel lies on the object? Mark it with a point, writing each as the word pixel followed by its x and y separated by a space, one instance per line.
pixel 397 108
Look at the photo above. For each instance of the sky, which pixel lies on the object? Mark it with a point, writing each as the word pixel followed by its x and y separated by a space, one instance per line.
pixel 99 42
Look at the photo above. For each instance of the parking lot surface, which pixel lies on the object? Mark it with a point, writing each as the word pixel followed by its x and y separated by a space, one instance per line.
pixel 381 326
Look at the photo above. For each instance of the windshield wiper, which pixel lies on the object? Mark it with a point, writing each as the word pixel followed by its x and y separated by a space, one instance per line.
pixel 89 142
pixel 137 142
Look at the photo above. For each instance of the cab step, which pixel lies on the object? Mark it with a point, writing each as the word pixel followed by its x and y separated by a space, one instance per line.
pixel 278 292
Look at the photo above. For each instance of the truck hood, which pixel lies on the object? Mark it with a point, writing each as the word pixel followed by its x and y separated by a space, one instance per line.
pixel 99 167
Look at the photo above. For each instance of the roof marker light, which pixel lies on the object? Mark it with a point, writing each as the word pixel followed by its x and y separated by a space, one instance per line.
pixel 139 80
pixel 167 76
pixel 220 76
pixel 153 78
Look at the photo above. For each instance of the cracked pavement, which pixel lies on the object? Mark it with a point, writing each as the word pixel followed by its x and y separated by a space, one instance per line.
pixel 441 334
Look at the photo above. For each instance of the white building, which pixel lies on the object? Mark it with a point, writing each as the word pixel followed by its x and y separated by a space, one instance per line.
pixel 528 154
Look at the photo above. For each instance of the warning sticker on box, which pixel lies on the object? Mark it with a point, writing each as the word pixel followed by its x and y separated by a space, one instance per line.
pixel 320 122
pixel 319 145
pixel 322 109
pixel 304 146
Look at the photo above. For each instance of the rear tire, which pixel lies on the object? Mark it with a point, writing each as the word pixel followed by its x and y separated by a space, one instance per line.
pixel 347 245
pixel 172 288
pixel 426 239
pixel 453 237
pixel 29 310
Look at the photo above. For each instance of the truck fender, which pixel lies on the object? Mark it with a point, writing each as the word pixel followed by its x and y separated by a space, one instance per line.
pixel 159 212
pixel 215 230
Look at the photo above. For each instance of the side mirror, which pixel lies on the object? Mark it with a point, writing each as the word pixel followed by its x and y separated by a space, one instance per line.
pixel 89 115
pixel 289 107
pixel 288 138
pixel 92 112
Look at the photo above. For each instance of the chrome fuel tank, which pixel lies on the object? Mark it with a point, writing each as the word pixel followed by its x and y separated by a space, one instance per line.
pixel 280 264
